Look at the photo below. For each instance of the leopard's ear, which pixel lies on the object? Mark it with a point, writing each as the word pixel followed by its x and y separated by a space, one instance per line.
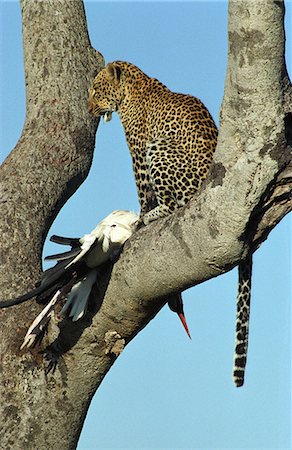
pixel 114 72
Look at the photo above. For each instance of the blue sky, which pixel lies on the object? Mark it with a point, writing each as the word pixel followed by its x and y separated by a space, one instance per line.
pixel 166 391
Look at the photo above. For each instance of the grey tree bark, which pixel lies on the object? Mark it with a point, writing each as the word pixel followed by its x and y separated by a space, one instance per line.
pixel 246 195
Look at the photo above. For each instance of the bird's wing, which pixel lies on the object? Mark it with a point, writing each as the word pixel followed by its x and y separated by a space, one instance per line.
pixel 107 236
pixel 77 300
pixel 86 243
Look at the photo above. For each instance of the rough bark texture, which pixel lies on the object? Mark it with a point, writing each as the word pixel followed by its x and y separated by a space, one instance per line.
pixel 50 161
pixel 247 194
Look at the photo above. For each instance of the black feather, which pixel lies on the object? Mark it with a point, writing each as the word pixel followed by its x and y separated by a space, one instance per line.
pixel 73 242
pixel 64 256
pixel 49 279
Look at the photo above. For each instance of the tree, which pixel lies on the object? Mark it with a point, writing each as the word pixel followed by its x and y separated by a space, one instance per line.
pixel 53 157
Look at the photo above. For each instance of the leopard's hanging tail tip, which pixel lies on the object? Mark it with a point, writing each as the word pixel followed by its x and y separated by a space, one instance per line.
pixel 242 320
pixel 238 377
pixel 240 356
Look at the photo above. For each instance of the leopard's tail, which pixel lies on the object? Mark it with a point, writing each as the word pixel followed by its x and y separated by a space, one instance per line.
pixel 242 319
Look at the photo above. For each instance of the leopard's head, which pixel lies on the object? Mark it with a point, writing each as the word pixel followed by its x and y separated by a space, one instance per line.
pixel 105 94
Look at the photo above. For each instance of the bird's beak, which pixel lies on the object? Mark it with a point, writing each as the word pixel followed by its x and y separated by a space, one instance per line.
pixel 184 322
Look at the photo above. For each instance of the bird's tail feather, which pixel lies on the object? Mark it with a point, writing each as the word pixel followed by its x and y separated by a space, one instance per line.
pixel 49 278
pixel 23 298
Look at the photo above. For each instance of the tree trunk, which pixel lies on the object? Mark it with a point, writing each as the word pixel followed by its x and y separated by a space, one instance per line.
pixel 50 161
pixel 246 195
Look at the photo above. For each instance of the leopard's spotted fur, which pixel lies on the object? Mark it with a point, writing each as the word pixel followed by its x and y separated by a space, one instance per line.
pixel 171 137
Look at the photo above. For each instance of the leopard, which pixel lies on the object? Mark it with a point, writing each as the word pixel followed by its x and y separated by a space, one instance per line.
pixel 172 138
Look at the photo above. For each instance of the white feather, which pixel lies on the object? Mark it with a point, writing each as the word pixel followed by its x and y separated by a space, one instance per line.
pixel 87 240
pixel 77 299
pixel 106 238
pixel 39 322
